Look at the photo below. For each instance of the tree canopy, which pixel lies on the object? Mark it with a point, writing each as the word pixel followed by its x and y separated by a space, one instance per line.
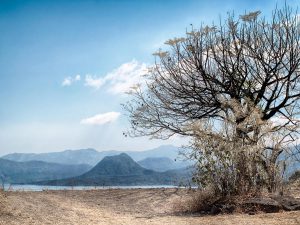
pixel 234 87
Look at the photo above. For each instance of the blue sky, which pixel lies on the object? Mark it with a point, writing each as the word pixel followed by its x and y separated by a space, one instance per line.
pixel 64 66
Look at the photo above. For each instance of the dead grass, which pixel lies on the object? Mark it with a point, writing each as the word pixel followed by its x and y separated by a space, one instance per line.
pixel 197 201
pixel 126 207
pixel 3 202
pixel 207 202
pixel 5 209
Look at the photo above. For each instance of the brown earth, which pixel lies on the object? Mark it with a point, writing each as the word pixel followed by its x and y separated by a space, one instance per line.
pixel 116 206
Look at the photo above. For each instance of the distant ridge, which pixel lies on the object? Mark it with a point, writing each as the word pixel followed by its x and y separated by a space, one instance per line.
pixel 81 156
pixel 162 164
pixel 33 171
pixel 121 170
pixel 91 156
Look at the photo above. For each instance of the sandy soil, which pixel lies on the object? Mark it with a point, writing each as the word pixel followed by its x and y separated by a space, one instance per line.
pixel 128 207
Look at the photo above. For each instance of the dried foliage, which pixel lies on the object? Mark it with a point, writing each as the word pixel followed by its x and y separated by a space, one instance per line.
pixel 3 203
pixel 234 89
pixel 198 201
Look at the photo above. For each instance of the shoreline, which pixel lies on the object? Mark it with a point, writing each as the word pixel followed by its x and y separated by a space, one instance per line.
pixel 39 188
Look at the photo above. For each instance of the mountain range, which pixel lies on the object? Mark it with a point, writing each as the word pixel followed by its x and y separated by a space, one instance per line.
pixel 123 170
pixel 92 156
pixel 25 168
pixel 33 171
pixel 161 165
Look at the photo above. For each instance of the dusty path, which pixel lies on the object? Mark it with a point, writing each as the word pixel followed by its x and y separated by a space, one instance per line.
pixel 128 207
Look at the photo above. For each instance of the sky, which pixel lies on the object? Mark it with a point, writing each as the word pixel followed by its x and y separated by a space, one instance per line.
pixel 65 65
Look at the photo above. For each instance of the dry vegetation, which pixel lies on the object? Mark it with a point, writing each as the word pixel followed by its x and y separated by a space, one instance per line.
pixel 2 201
pixel 5 210
pixel 136 206
pixel 233 88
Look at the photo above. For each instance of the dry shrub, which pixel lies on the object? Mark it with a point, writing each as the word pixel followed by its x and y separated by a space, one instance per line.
pixel 198 201
pixel 202 200
pixel 207 201
pixel 4 209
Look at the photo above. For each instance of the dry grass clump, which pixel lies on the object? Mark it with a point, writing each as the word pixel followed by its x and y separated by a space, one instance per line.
pixel 202 201
pixel 210 202
pixel 4 209
pixel 199 201
pixel 2 200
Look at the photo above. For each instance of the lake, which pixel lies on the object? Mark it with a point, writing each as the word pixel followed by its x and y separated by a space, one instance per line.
pixel 25 187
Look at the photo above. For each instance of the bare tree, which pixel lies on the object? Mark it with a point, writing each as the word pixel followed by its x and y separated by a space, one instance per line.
pixel 234 88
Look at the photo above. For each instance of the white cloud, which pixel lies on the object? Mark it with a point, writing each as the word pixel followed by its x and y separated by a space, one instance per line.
pixel 68 81
pixel 126 76
pixel 77 77
pixel 121 79
pixel 93 82
pixel 101 119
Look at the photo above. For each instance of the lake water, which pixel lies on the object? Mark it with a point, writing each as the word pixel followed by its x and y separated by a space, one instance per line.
pixel 17 187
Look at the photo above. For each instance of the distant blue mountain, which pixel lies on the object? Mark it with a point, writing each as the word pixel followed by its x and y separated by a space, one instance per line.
pixel 91 156
pixel 32 171
pixel 122 170
pixel 82 156
pixel 162 164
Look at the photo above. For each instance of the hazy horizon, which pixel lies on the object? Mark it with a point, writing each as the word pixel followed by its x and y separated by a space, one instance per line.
pixel 65 66
pixel 98 150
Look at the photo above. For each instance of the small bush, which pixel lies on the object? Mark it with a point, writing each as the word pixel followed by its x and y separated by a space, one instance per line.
pixel 199 201
pixel 207 201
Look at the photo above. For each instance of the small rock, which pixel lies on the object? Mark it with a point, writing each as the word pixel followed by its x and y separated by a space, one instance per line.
pixel 287 202
pixel 264 204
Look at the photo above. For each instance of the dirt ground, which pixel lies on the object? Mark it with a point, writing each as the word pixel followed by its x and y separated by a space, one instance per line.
pixel 116 206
